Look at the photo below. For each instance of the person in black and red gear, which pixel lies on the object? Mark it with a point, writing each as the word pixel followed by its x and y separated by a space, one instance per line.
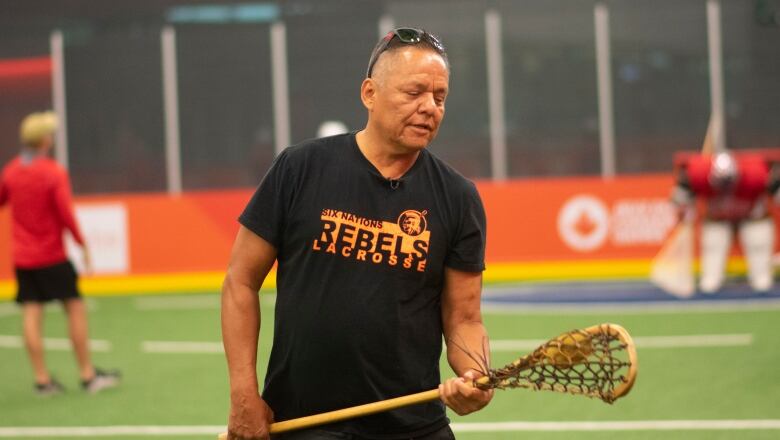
pixel 38 190
pixel 736 192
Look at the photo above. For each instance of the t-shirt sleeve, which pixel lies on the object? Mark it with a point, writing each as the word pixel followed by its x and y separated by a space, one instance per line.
pixel 467 252
pixel 267 210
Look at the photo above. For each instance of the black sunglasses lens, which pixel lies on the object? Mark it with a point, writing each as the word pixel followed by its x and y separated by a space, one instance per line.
pixel 409 36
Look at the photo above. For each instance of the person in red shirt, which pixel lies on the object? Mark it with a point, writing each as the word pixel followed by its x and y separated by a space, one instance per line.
pixel 736 192
pixel 38 191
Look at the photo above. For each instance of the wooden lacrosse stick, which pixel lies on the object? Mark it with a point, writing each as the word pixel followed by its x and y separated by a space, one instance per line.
pixel 599 361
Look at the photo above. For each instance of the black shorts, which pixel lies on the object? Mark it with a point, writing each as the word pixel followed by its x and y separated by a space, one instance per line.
pixel 44 284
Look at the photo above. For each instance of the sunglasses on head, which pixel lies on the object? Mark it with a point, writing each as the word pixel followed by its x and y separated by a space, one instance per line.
pixel 409 36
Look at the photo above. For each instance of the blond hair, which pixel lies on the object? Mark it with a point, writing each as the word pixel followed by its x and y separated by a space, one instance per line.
pixel 36 126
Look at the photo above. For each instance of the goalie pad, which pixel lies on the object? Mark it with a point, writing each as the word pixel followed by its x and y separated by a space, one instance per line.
pixel 715 245
pixel 757 238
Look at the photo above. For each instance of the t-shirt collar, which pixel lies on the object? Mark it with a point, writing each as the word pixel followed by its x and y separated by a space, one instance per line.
pixel 366 164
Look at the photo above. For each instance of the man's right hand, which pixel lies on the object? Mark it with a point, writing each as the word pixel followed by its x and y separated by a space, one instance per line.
pixel 250 418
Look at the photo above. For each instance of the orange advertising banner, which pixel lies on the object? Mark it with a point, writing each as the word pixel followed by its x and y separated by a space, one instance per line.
pixel 163 234
pixel 576 221
pixel 577 218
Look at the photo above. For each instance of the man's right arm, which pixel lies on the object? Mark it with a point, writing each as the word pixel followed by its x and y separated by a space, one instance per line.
pixel 251 259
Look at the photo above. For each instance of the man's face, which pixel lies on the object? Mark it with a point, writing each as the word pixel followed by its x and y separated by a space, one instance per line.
pixel 411 85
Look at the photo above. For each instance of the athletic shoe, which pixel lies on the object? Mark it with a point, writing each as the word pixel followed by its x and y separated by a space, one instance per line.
pixel 51 388
pixel 102 380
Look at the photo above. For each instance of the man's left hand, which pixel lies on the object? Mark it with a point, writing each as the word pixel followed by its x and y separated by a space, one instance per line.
pixel 462 396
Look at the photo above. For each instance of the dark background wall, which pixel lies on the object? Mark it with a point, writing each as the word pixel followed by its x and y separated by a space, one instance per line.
pixel 115 105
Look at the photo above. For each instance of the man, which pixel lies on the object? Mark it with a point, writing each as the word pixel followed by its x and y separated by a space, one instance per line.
pixel 735 191
pixel 362 305
pixel 38 191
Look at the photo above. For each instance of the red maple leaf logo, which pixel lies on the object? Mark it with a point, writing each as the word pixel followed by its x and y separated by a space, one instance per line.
pixel 585 224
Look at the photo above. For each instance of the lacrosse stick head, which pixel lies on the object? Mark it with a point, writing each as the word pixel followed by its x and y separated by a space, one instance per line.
pixel 599 361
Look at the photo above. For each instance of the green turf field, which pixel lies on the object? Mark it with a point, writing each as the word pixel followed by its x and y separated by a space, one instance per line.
pixel 733 383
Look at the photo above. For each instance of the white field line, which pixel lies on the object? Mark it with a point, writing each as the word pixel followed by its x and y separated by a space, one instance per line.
pixel 727 340
pixel 190 302
pixel 103 431
pixel 631 308
pixel 205 302
pixel 61 344
pixel 178 302
pixel 639 425
pixel 532 288
pixel 11 308
pixel 181 347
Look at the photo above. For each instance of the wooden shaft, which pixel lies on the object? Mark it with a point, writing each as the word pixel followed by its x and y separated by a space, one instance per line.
pixel 355 411
pixel 352 412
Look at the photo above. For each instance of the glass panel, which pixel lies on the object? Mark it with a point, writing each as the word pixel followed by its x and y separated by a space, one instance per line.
pixel 225 104
pixel 550 85
pixel 661 81
pixel 328 46
pixel 114 108
pixel 659 66
pixel 751 59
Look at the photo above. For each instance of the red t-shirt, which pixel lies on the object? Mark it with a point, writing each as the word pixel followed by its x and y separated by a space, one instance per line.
pixel 38 190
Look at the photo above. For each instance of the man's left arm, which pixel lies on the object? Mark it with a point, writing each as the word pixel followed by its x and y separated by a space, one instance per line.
pixel 466 339
pixel 63 201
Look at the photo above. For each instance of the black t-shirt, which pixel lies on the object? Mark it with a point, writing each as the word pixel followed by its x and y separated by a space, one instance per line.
pixel 360 271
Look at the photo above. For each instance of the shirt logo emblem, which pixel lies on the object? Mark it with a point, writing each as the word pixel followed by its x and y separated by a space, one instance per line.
pixel 413 222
